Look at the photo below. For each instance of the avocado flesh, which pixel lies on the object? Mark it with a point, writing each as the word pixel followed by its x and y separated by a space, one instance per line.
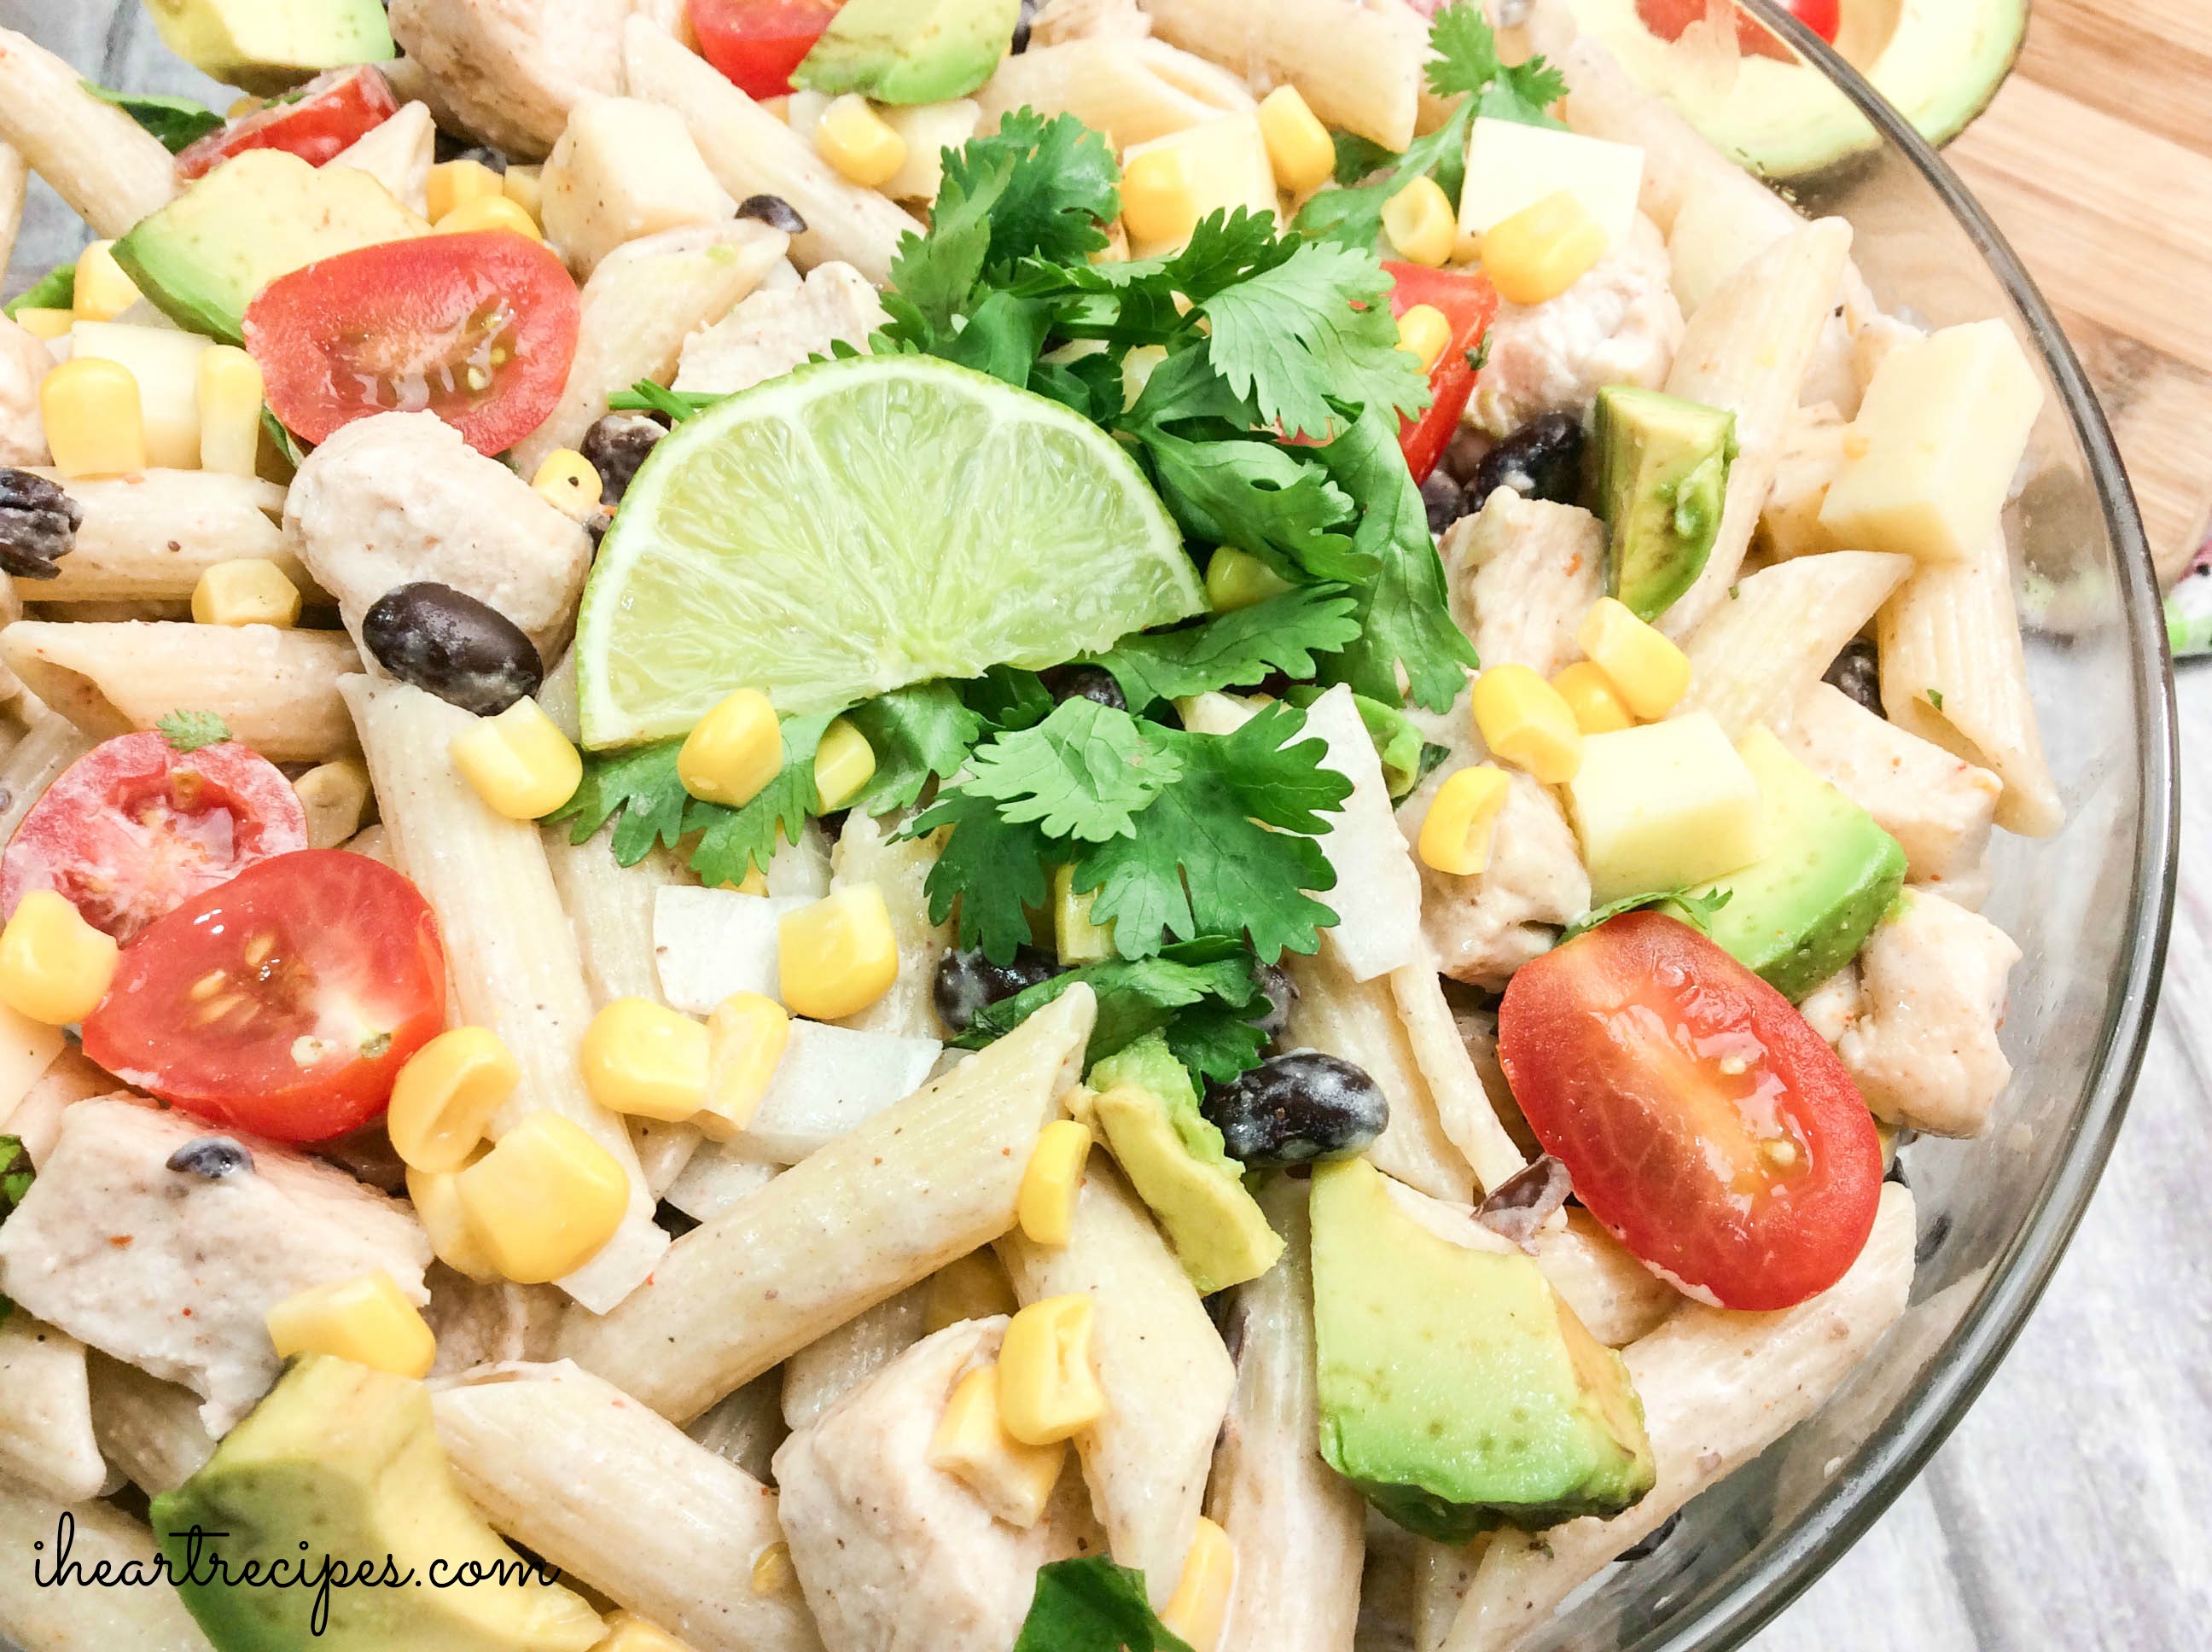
pixel 266 46
pixel 202 258
pixel 1800 912
pixel 344 1461
pixel 911 51
pixel 1457 1390
pixel 1173 1156
pixel 1662 484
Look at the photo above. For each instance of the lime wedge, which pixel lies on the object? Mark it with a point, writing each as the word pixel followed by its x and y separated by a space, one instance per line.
pixel 860 524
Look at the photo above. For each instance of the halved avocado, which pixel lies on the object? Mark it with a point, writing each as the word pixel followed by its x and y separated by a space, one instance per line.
pixel 1939 61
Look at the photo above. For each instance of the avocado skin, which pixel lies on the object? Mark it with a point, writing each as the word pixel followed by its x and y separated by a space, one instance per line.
pixel 911 51
pixel 1662 467
pixel 267 46
pixel 1457 1390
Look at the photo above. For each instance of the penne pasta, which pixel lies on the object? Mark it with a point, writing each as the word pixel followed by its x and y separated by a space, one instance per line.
pixel 1357 67
pixel 46 1411
pixel 43 1612
pixel 831 1366
pixel 1463 1105
pixel 147 1428
pixel 1442 1575
pixel 1616 1298
pixel 49 745
pixel 716 1176
pixel 867 854
pixel 14 178
pixel 1768 643
pixel 110 170
pixel 746 1427
pixel 1133 91
pixel 151 535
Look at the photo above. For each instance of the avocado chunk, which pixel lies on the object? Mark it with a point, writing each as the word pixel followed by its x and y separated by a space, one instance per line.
pixel 203 258
pixel 911 51
pixel 266 46
pixel 1457 1390
pixel 1662 468
pixel 1801 911
pixel 340 1465
pixel 1147 1108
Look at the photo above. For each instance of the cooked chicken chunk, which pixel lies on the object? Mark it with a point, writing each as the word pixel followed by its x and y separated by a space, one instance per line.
pixel 1058 21
pixel 510 70
pixel 24 360
pixel 771 332
pixel 1484 927
pixel 1522 574
pixel 479 1323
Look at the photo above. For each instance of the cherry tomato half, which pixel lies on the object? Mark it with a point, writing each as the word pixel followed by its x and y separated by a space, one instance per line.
pixel 758 42
pixel 315 122
pixel 1703 1122
pixel 1671 19
pixel 135 828
pixel 283 1002
pixel 477 328
pixel 1468 302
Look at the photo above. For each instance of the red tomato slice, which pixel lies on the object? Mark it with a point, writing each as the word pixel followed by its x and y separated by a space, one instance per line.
pixel 282 1003
pixel 135 828
pixel 478 328
pixel 1670 19
pixel 315 122
pixel 1468 302
pixel 1705 1123
pixel 758 42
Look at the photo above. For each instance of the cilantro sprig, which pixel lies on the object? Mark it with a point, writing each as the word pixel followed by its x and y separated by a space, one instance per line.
pixel 188 730
pixel 1699 911
pixel 177 122
pixel 1091 1605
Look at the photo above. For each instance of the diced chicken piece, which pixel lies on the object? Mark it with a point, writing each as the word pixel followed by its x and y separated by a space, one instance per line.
pixel 46 1411
pixel 1522 573
pixel 772 332
pixel 1832 1008
pixel 1485 926
pixel 175 1272
pixel 895 1556
pixel 1789 525
pixel 510 70
pixel 1058 21
pixel 24 360
pixel 1620 325
pixel 1938 807
pixel 400 497
pixel 490 1323
pixel 1923 1050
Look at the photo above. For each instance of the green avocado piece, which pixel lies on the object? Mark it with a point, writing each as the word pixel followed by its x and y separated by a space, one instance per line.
pixel 202 259
pixel 1173 1156
pixel 1661 482
pixel 1457 1390
pixel 1801 911
pixel 340 1464
pixel 911 51
pixel 266 46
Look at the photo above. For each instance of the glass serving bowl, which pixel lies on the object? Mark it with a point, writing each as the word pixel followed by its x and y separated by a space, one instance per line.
pixel 2090 909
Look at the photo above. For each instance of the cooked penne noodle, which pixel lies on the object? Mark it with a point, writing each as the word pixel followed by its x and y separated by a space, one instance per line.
pixel 151 535
pixel 1769 642
pixel 15 180
pixel 1442 1575
pixel 514 960
pixel 397 155
pixel 716 1176
pixel 832 1365
pixel 1616 1298
pixel 1166 1376
pixel 866 854
pixel 1357 67
pixel 110 170
pixel 746 1427
pixel 874 1212
pixel 1463 1106
pixel 277 690
pixel 46 1411
pixel 140 1610
pixel 148 1429
pixel 1133 91
pixel 578 1473
pixel 49 745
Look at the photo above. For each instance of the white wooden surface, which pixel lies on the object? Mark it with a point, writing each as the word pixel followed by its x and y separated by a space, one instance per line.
pixel 2073 1508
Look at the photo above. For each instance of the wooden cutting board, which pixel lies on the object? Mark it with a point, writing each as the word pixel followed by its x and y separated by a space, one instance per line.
pixel 2096 162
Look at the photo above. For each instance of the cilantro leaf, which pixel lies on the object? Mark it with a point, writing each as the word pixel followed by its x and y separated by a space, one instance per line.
pixel 1007 697
pixel 1091 1605
pixel 917 732
pixel 1696 910
pixel 1136 996
pixel 1465 60
pixel 1267 500
pixel 646 396
pixel 15 1174
pixel 55 290
pixel 1061 184
pixel 733 842
pixel 1235 650
pixel 188 730
pixel 177 122
pixel 1215 1042
pixel 1084 772
pixel 991 870
pixel 287 443
pixel 641 785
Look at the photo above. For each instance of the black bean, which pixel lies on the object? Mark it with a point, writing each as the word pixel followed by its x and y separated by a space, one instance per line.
pixel 1525 1200
pixel 38 525
pixel 966 983
pixel 1022 27
pixel 1543 459
pixel 1084 683
pixel 1444 500
pixel 616 447
pixel 212 1157
pixel 1651 1542
pixel 466 651
pixel 1857 672
pixel 1275 982
pixel 774 211
pixel 450 148
pixel 1297 1108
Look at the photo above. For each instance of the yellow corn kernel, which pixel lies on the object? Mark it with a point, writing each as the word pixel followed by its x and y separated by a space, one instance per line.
pixel 1158 203
pixel 230 392
pixel 570 483
pixel 1525 722
pixel 247 590
pixel 453 183
pixel 48 324
pixel 437 1200
pixel 335 795
pixel 443 1100
pixel 1074 937
pixel 1461 819
pixel 103 291
pixel 518 763
pixel 646 1061
pixel 754 882
pixel 96 425
pixel 1589 694
pixel 1299 152
pixel 1045 1207
pixel 838 955
pixel 1650 673
pixel 526 187
pixel 1420 223
pixel 489 212
pixel 1200 1605
pixel 1542 250
pixel 1422 333
pixel 733 751
pixel 241 105
pixel 1014 1481
pixel 772 1572
pixel 626 1630
pixel 364 1318
pixel 1047 1389
pixel 971 1287
pixel 843 764
pixel 54 966
pixel 544 1199
pixel 745 1040
pixel 859 142
pixel 1237 579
